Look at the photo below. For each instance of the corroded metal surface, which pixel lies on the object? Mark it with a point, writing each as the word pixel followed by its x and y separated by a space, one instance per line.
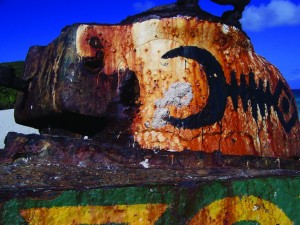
pixel 156 96
pixel 272 200
pixel 60 180
pixel 204 89
pixel 172 78
pixel 34 162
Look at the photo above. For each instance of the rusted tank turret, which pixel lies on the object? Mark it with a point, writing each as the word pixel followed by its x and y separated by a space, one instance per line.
pixel 186 124
pixel 172 78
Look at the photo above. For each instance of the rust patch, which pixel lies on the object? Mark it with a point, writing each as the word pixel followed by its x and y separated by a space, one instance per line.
pixel 197 85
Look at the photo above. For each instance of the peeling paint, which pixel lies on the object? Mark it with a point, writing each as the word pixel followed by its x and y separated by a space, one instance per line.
pixel 146 214
pixel 232 210
pixel 160 117
pixel 262 200
pixel 179 94
pixel 177 97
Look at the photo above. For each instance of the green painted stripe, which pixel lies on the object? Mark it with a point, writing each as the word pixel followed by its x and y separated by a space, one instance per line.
pixel 184 202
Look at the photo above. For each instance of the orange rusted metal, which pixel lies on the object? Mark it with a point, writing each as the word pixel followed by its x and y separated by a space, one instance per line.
pixel 176 79
pixel 174 83
pixel 244 128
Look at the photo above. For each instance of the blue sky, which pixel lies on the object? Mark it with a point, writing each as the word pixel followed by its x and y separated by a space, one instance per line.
pixel 272 25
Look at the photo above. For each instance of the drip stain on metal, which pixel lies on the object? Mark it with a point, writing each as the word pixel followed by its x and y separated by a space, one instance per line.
pixel 169 117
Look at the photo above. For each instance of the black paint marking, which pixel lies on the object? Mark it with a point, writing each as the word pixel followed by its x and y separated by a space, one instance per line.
pixel 259 96
pixel 264 99
pixel 216 102
pixel 280 108
pixel 285 105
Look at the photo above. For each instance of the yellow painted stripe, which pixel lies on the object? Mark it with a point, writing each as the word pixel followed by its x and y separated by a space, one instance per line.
pixel 234 209
pixel 131 214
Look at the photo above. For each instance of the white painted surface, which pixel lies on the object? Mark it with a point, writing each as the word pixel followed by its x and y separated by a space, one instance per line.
pixel 8 124
pixel 179 94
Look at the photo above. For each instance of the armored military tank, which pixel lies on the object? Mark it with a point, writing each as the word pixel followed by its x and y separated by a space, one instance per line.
pixel 172 78
pixel 171 113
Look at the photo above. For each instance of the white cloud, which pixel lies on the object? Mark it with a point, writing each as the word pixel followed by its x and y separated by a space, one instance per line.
pixel 276 13
pixel 143 5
